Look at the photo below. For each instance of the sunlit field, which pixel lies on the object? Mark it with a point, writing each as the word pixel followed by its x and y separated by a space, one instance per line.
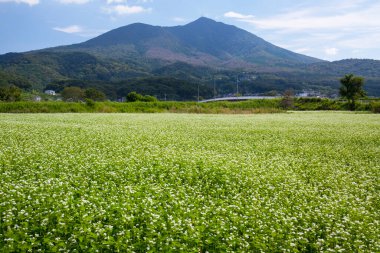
pixel 289 182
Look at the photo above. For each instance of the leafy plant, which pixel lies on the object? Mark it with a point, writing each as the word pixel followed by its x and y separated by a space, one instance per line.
pixel 134 97
pixel 10 93
pixel 94 94
pixel 73 94
pixel 352 89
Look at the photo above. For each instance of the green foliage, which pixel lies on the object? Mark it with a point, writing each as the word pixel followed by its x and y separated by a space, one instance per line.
pixel 352 89
pixel 116 78
pixel 189 183
pixel 10 93
pixel 312 104
pixel 161 88
pixel 43 107
pixel 40 68
pixel 375 107
pixel 171 88
pixel 253 106
pixel 89 102
pixel 148 98
pixel 134 97
pixel 73 94
pixel 94 94
pixel 8 79
pixel 222 107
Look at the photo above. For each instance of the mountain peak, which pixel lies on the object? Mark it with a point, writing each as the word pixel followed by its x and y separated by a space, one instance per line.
pixel 204 20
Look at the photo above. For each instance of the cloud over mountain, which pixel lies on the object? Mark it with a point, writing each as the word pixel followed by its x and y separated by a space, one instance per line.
pixel 69 29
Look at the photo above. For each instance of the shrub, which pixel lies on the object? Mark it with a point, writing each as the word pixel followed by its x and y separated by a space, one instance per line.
pixel 134 97
pixel 10 94
pixel 94 94
pixel 375 107
pixel 287 101
pixel 73 94
pixel 90 102
pixel 148 98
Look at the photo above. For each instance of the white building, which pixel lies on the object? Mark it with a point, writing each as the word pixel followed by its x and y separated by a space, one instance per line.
pixel 50 92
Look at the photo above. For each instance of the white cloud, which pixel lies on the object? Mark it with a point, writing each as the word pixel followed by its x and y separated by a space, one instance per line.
pixel 362 41
pixel 111 2
pixel 179 19
pixel 331 51
pixel 30 2
pixel 333 15
pixel 232 14
pixel 79 30
pixel 122 9
pixel 115 1
pixel 348 25
pixel 307 19
pixel 69 29
pixel 74 1
pixel 302 50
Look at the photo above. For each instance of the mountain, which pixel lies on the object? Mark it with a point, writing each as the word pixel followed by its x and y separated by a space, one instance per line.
pixel 203 42
pixel 197 53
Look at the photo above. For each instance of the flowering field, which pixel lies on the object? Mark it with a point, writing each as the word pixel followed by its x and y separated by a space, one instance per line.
pixel 296 182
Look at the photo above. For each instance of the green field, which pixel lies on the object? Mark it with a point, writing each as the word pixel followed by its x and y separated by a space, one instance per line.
pixel 289 182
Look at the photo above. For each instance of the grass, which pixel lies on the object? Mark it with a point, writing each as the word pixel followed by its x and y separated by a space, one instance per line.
pixel 242 107
pixel 255 106
pixel 290 182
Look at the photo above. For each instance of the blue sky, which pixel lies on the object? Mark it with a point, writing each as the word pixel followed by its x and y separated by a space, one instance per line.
pixel 326 29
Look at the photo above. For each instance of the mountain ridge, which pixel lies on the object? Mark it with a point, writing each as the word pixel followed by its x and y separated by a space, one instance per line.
pixel 201 42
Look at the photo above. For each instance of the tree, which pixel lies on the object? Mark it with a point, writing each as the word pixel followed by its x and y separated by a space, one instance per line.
pixel 10 93
pixel 8 79
pixel 287 101
pixel 73 93
pixel 134 96
pixel 148 98
pixel 94 94
pixel 352 89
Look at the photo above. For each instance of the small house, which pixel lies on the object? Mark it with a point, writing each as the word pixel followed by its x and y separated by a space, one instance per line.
pixel 50 92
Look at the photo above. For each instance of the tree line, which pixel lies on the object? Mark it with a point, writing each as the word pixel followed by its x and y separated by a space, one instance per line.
pixel 76 94
pixel 351 89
